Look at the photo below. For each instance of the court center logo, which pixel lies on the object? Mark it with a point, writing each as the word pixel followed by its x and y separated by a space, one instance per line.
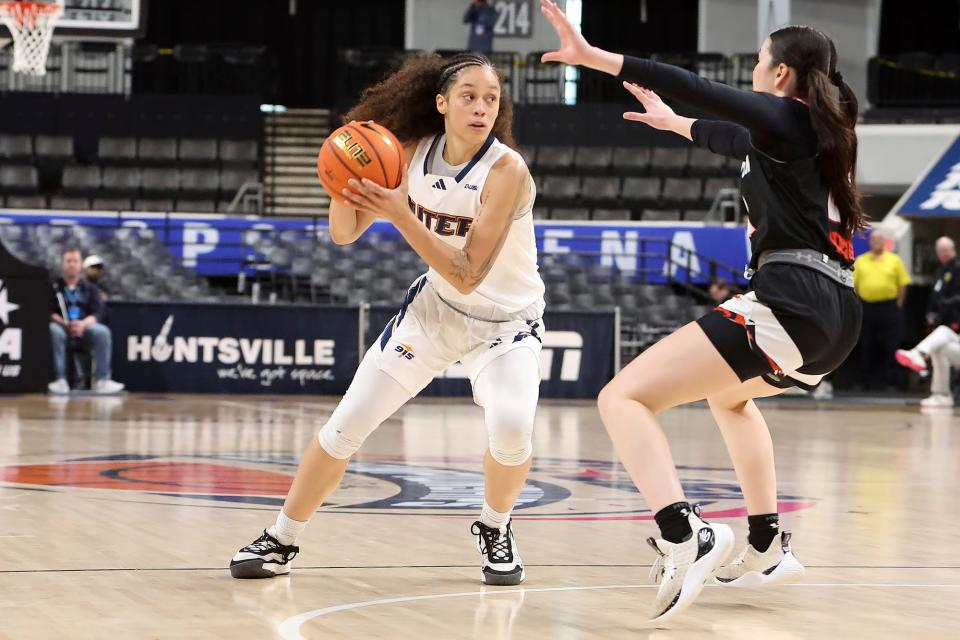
pixel 558 489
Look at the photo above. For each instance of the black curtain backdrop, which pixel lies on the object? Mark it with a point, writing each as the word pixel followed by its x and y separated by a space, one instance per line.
pixel 666 26
pixel 907 25
pixel 302 48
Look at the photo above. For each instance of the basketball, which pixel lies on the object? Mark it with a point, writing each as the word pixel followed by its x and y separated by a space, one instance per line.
pixel 359 150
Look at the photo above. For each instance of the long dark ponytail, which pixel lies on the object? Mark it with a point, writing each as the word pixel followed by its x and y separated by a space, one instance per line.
pixel 813 57
pixel 405 101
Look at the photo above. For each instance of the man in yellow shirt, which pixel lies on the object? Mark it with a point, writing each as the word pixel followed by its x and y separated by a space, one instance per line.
pixel 880 280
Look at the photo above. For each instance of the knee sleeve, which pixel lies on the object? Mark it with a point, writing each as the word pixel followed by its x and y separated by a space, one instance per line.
pixel 511 435
pixel 508 390
pixel 373 397
pixel 341 445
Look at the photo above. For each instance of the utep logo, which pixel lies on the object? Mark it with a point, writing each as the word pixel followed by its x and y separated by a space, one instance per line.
pixel 442 224
pixel 405 351
pixel 11 338
pixel 352 148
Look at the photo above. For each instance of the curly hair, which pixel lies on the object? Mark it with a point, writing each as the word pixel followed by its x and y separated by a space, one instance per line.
pixel 405 101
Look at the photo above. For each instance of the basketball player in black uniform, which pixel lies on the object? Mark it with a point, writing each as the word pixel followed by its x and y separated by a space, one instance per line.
pixel 799 319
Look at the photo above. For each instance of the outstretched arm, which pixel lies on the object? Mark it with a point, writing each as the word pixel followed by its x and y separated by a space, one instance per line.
pixel 760 112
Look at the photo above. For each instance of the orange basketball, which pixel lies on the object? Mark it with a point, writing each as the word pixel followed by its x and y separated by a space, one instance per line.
pixel 359 150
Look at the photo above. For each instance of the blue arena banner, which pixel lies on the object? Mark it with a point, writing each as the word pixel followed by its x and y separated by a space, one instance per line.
pixel 936 194
pixel 577 358
pixel 220 245
pixel 226 348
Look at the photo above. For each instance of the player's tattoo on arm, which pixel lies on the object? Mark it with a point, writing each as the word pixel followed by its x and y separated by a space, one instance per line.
pixel 471 275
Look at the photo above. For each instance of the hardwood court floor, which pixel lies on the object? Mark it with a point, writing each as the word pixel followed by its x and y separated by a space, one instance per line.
pixel 118 517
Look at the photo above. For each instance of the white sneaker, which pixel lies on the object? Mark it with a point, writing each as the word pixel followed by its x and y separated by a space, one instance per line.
pixel 500 559
pixel 107 386
pixel 776 565
pixel 59 386
pixel 937 401
pixel 265 557
pixel 911 359
pixel 683 568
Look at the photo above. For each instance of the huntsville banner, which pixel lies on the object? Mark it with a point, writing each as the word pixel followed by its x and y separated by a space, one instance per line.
pixel 226 348
pixel 230 348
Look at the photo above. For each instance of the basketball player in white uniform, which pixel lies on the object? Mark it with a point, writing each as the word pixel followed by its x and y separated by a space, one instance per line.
pixel 465 207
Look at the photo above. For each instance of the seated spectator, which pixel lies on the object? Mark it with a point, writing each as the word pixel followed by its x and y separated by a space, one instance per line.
pixel 93 272
pixel 77 312
pixel 942 346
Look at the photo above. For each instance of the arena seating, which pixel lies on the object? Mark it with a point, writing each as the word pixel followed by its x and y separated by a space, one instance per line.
pixel 138 266
pixel 145 174
pixel 639 183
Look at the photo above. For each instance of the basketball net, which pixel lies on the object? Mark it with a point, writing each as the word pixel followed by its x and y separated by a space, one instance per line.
pixel 31 26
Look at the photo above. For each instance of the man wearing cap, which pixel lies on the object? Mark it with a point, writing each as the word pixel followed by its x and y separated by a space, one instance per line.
pixel 93 272
pixel 76 313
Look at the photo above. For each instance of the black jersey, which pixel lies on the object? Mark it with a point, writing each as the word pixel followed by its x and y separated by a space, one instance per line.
pixel 787 203
pixel 945 297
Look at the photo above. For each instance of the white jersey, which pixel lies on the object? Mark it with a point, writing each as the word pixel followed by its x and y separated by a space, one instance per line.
pixel 449 205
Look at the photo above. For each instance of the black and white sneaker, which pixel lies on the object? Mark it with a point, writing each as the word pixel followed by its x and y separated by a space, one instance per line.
pixel 777 565
pixel 682 568
pixel 265 557
pixel 500 559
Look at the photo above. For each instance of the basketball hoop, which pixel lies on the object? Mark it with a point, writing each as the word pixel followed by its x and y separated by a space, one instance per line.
pixel 31 26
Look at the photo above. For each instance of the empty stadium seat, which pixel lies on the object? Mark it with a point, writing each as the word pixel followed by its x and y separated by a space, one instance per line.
pixel 239 152
pixel 661 215
pixel 54 147
pixel 111 204
pixel 121 180
pixel 80 179
pixel 556 187
pixel 198 150
pixel 601 188
pixel 26 202
pixel 596 158
pixel 200 181
pixel 669 158
pixel 641 188
pixel 611 214
pixel 153 204
pixel 197 206
pixel 682 189
pixel 570 213
pixel 160 181
pixel 19 179
pixel 117 149
pixel 157 150
pixel 555 157
pixel 16 146
pixel 704 160
pixel 631 159
pixel 69 203
pixel 232 179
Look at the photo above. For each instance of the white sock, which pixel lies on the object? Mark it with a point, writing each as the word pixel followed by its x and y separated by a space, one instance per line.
pixel 493 519
pixel 286 530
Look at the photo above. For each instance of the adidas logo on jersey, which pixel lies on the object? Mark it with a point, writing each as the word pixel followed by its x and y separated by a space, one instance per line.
pixel 439 185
